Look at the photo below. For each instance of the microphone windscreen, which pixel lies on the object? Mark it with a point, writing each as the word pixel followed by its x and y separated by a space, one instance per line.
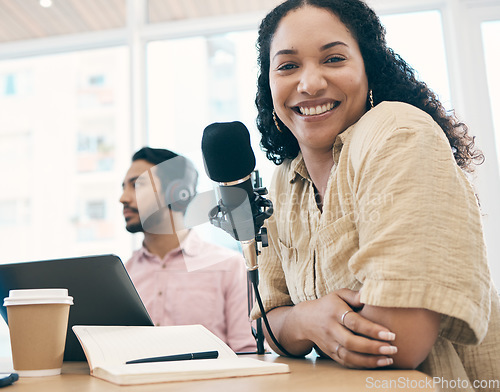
pixel 227 152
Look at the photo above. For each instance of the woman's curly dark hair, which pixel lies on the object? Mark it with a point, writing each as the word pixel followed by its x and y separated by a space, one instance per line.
pixel 389 76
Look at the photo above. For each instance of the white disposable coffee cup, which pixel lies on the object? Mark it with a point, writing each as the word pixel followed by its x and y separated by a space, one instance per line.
pixel 38 321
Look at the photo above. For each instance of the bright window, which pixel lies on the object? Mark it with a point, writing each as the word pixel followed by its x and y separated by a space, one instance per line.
pixel 63 129
pixel 196 81
pixel 422 48
pixel 491 42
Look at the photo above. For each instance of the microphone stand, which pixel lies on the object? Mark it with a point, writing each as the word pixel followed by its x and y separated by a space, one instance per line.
pixel 220 216
pixel 257 332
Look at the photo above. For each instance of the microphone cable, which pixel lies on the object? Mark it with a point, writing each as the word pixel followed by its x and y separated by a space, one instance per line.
pixel 254 278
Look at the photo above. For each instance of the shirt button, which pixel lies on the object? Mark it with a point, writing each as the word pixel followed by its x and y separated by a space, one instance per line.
pixel 164 266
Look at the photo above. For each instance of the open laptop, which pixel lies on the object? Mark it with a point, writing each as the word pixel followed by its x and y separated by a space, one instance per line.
pixel 102 292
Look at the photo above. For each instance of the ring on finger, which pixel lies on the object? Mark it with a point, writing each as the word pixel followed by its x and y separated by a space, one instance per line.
pixel 342 318
pixel 337 350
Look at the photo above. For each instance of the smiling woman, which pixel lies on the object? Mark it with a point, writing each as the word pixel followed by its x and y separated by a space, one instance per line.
pixel 312 68
pixel 363 238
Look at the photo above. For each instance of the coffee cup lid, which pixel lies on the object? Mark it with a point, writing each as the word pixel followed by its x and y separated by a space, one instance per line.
pixel 38 296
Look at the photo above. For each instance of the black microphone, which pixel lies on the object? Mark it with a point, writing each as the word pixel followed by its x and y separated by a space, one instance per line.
pixel 230 161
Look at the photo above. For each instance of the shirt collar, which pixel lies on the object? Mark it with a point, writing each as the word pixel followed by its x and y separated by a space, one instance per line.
pixel 298 167
pixel 145 254
pixel 190 247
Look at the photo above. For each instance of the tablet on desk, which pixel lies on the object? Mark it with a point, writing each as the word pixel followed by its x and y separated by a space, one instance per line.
pixel 102 292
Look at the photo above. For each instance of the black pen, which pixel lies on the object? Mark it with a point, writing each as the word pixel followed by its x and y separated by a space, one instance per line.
pixel 178 357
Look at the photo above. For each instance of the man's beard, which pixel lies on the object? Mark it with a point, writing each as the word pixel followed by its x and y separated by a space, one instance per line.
pixel 158 222
pixel 135 228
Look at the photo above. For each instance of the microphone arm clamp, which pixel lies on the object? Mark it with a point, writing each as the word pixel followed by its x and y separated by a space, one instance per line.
pixel 262 208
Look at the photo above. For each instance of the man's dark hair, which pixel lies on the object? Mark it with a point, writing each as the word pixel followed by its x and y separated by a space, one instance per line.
pixel 154 155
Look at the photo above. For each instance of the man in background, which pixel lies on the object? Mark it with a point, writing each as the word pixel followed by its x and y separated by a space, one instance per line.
pixel 181 278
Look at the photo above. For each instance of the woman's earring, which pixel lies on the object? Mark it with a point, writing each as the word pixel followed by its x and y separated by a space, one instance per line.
pixel 371 98
pixel 276 122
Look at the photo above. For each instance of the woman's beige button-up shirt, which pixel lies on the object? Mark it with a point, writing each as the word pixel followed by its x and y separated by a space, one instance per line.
pixel 401 222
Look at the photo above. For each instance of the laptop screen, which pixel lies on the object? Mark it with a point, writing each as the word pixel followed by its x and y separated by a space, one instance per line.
pixel 102 292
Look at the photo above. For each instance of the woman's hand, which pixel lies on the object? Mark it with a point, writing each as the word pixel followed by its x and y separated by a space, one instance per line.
pixel 342 334
pixel 331 325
